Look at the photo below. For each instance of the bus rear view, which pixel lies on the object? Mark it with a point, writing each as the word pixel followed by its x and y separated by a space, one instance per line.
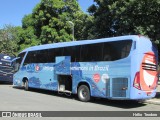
pixel 144 69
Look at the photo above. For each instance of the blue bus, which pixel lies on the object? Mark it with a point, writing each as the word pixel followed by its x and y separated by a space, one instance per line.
pixel 6 69
pixel 119 68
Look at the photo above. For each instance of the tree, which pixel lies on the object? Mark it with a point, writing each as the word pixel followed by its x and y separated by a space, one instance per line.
pixel 27 35
pixel 140 17
pixel 83 26
pixel 9 39
pixel 49 23
pixel 104 13
pixel 122 17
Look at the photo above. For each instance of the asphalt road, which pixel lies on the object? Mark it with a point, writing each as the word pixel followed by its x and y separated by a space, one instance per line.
pixel 17 99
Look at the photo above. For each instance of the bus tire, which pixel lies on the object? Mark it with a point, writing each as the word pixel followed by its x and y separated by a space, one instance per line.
pixel 26 87
pixel 84 93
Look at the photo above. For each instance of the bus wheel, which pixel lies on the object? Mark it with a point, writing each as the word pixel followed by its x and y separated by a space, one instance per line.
pixel 26 85
pixel 84 93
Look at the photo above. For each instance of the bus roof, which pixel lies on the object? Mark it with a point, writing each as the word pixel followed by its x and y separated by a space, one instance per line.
pixel 82 42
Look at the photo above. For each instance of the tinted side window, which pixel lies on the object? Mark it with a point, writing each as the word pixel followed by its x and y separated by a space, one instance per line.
pixel 91 52
pixel 58 51
pixel 116 50
pixel 30 58
pixel 84 53
pixel 41 56
pixel 76 53
pixel 107 51
pixel 73 51
pixel 126 48
pixel 51 56
pixel 67 51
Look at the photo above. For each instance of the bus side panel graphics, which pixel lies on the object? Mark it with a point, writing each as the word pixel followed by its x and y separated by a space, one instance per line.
pixel 76 75
pixel 102 76
pixel 82 73
pixel 62 65
pixel 148 73
pixel 41 75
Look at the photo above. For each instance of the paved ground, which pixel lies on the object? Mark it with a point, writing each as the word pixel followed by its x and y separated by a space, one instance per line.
pixel 155 100
pixel 17 99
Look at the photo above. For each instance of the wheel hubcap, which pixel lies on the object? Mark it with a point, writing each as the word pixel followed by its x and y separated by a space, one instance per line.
pixel 83 93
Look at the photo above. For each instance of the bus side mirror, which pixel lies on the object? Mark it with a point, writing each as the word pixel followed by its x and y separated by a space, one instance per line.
pixel 16 67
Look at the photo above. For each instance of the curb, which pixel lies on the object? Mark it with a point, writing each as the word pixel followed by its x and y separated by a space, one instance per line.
pixel 156 102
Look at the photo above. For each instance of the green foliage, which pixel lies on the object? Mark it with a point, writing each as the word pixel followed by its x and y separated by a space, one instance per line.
pixel 27 37
pixel 142 18
pixel 83 26
pixel 122 17
pixel 9 39
pixel 49 23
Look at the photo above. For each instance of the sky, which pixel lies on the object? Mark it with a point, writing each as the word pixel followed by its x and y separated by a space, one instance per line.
pixel 12 11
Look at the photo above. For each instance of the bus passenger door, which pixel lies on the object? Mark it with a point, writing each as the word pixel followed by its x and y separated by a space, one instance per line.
pixel 63 73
